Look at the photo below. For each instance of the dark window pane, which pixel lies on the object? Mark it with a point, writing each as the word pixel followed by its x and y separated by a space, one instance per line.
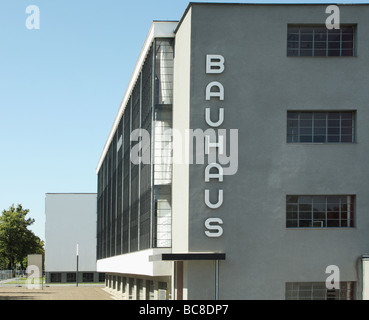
pixel 333 115
pixel 320 36
pixel 347 45
pixel 334 45
pixel 320 53
pixel 347 37
pixel 305 199
pixel 319 215
pixel 346 123
pixel 305 138
pixel 347 52
pixel 306 131
pixel 306 37
pixel 306 45
pixel 306 52
pixel 347 138
pixel 320 116
pixel 292 45
pixel 333 138
pixel 306 115
pixel 347 30
pixel 334 131
pixel 319 139
pixel 333 53
pixel 306 30
pixel 306 123
pixel 293 37
pixel 334 35
pixel 333 223
pixel 305 223
pixel 346 115
pixel 319 131
pixel 345 131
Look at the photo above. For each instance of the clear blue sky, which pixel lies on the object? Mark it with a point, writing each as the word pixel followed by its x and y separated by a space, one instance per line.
pixel 61 87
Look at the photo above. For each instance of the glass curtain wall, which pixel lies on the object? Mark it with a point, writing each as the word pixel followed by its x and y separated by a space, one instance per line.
pixel 134 200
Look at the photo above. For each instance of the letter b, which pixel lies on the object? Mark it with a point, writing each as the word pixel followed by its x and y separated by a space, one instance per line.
pixel 214 63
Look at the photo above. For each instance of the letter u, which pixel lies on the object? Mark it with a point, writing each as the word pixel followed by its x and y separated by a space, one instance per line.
pixel 212 205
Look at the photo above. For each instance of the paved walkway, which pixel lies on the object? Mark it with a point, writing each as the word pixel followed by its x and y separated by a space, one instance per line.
pixel 54 293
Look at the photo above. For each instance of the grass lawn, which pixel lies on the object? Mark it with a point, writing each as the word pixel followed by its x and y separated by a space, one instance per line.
pixel 24 281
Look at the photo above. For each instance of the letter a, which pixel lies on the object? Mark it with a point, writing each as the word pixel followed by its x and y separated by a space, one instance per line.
pixel 33 21
pixel 333 21
pixel 333 280
pixel 219 93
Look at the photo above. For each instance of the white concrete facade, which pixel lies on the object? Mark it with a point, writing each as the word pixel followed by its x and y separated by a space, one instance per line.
pixel 70 220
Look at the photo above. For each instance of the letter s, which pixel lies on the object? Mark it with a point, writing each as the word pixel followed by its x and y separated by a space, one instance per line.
pixel 209 225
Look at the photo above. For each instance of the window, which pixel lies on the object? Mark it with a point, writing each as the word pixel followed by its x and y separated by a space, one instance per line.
pixel 320 41
pixel 321 127
pixel 71 277
pixel 55 277
pixel 320 211
pixel 319 291
pixel 101 277
pixel 88 277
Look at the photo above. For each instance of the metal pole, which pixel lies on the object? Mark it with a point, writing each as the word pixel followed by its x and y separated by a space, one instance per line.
pixel 216 279
pixel 77 268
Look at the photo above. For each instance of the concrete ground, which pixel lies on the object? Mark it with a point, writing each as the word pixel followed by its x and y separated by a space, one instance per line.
pixel 8 292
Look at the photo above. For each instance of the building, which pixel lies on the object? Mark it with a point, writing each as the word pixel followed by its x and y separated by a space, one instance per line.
pixel 71 221
pixel 259 190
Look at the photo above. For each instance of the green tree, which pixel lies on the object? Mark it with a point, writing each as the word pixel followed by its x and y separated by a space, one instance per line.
pixel 16 240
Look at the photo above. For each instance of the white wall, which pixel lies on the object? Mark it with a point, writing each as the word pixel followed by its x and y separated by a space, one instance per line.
pixel 181 122
pixel 70 219
pixel 137 263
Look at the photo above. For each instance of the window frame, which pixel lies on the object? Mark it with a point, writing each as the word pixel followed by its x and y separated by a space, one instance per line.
pixel 327 48
pixel 295 136
pixel 319 291
pixel 304 213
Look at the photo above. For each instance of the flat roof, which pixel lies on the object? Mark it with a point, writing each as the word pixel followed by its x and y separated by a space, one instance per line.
pixel 191 4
